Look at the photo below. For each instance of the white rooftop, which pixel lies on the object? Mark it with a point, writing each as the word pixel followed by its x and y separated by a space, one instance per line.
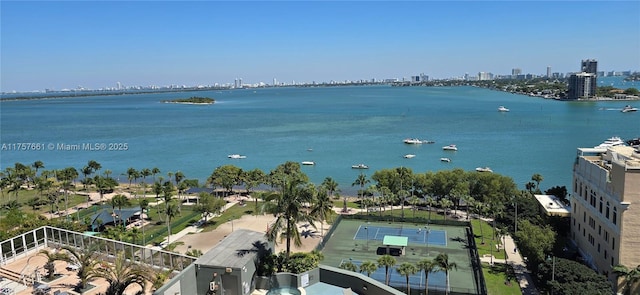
pixel 553 206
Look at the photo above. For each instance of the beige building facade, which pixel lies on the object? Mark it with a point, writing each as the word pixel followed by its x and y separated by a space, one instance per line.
pixel 605 207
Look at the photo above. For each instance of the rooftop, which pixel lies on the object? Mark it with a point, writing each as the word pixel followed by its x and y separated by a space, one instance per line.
pixel 234 249
pixel 553 206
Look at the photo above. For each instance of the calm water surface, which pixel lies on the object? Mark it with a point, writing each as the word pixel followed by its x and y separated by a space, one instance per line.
pixel 336 127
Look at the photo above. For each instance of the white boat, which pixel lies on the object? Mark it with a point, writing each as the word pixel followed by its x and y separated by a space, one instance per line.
pixel 360 166
pixel 308 163
pixel 611 141
pixel 445 160
pixel 409 156
pixel 412 141
pixel 628 109
pixel 502 109
pixel 236 156
pixel 484 169
pixel 451 147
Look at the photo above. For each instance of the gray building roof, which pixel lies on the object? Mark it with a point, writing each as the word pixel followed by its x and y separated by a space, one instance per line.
pixel 236 250
pixel 105 215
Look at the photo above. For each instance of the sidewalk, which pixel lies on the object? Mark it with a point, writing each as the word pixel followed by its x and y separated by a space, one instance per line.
pixel 515 260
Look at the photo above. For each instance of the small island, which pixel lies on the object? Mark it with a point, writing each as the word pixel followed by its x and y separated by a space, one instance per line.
pixel 192 100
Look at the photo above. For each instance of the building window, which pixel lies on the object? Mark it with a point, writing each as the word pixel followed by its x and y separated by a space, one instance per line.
pixel 612 261
pixel 592 223
pixel 605 254
pixel 584 216
pixel 599 229
pixel 600 206
pixel 615 215
pixel 606 236
pixel 598 247
pixel 607 211
pixel 613 244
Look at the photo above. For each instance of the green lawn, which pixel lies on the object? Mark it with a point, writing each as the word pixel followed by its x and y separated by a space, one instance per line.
pixel 489 244
pixel 496 279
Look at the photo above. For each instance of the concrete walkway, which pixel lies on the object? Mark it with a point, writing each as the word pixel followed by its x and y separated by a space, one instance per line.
pixel 515 260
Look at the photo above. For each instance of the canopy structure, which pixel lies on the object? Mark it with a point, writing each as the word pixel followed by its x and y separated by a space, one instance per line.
pixel 395 243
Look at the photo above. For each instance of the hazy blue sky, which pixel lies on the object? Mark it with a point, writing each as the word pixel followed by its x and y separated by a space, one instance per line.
pixel 63 44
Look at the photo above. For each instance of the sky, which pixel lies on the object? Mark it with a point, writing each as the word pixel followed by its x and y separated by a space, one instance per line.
pixel 95 44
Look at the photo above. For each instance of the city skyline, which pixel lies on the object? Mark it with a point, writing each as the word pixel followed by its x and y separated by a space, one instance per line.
pixel 58 45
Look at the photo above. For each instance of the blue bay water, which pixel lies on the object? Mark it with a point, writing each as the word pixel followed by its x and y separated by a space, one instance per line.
pixel 334 126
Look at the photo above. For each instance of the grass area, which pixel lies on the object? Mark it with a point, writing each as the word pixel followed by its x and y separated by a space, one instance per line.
pixel 489 246
pixel 496 279
pixel 234 212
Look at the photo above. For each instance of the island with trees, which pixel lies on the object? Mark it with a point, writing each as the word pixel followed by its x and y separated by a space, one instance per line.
pixel 192 100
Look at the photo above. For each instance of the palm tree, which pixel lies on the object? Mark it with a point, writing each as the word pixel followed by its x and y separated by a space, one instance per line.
pixel 121 274
pixel 287 206
pixel 538 179
pixel 118 201
pixel 86 260
pixel 144 173
pixel 630 276
pixel 368 267
pixel 132 174
pixel 445 204
pixel 155 171
pixel 444 264
pixel 348 265
pixel 52 257
pixel 37 165
pixel 322 207
pixel 361 181
pixel 386 261
pixel 431 201
pixel 407 269
pixel 331 185
pixel 172 211
pixel 428 266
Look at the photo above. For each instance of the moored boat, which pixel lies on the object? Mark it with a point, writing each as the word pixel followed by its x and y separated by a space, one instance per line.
pixel 412 141
pixel 502 109
pixel 451 147
pixel 409 156
pixel 484 169
pixel 236 156
pixel 445 160
pixel 611 141
pixel 360 166
pixel 308 163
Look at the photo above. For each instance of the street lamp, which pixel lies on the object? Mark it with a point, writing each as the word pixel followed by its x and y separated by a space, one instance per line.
pixel 426 237
pixel 367 229
pixel 553 271
pixel 231 220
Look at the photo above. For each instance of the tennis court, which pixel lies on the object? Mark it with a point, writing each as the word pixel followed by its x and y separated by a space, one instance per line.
pixel 427 236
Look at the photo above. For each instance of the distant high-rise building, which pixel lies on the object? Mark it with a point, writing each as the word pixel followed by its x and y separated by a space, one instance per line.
pixel 275 82
pixel 515 72
pixel 582 85
pixel 119 85
pixel 548 71
pixel 235 83
pixel 589 66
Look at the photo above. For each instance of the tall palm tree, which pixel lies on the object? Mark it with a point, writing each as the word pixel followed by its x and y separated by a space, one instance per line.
pixel 172 211
pixel 361 181
pixel 118 201
pixel 538 179
pixel 321 207
pixel 428 266
pixel 121 274
pixel 630 276
pixel 431 202
pixel 331 185
pixel 287 207
pixel 86 260
pixel 155 171
pixel 444 264
pixel 145 172
pixel 37 165
pixel 445 204
pixel 407 269
pixel 132 174
pixel 386 261
pixel 368 267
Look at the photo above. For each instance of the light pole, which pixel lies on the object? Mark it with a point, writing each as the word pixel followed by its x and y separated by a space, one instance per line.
pixel 231 220
pixel 426 238
pixel 553 271
pixel 367 230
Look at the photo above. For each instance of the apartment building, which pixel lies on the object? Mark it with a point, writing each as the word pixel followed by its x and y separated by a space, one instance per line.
pixel 605 204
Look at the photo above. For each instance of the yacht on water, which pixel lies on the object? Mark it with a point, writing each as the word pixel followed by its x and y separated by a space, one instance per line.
pixel 611 141
pixel 629 109
pixel 308 163
pixel 484 169
pixel 445 160
pixel 412 141
pixel 451 147
pixel 360 166
pixel 502 109
pixel 236 156
pixel 409 156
